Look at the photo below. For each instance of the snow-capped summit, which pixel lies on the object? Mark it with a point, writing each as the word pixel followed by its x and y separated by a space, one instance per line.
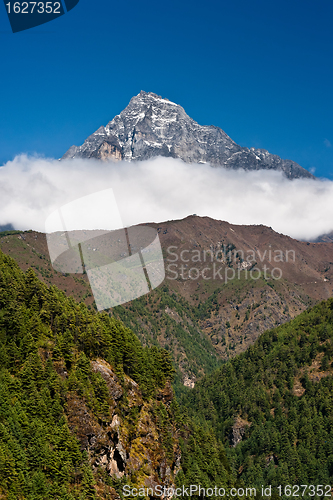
pixel 153 126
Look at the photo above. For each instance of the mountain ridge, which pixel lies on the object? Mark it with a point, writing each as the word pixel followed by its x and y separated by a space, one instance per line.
pixel 151 126
pixel 203 321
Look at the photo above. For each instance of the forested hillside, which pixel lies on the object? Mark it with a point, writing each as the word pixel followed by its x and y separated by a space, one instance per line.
pixel 203 321
pixel 84 408
pixel 273 404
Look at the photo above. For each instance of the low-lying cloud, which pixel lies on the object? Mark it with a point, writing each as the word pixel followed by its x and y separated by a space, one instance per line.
pixel 162 189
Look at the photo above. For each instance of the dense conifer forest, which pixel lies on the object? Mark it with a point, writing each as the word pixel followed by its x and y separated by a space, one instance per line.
pixel 280 392
pixel 264 417
pixel 41 330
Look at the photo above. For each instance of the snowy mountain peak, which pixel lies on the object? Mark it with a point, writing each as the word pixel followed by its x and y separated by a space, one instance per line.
pixel 153 126
pixel 154 97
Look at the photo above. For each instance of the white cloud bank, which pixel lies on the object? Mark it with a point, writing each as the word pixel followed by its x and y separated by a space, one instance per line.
pixel 163 189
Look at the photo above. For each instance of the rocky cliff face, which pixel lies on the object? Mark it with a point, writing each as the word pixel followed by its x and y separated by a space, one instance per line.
pixel 151 126
pixel 129 443
pixel 238 431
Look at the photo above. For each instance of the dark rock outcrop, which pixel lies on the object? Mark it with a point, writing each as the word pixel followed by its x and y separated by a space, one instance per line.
pixel 238 431
pixel 119 443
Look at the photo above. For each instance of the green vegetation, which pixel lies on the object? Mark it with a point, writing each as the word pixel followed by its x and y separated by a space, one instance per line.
pixel 264 417
pixel 204 462
pixel 171 316
pixel 282 390
pixel 10 232
pixel 40 329
pixel 47 342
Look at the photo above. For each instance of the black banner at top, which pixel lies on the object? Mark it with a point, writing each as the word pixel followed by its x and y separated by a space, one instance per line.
pixel 24 15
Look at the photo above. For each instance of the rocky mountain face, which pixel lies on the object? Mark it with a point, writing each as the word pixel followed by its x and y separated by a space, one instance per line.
pixel 151 126
pixel 127 444
pixel 325 238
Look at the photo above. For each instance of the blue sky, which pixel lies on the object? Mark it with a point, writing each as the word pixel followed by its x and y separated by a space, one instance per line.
pixel 260 70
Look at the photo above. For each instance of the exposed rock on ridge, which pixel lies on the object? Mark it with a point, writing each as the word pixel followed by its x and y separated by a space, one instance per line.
pixel 151 126
pixel 124 445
